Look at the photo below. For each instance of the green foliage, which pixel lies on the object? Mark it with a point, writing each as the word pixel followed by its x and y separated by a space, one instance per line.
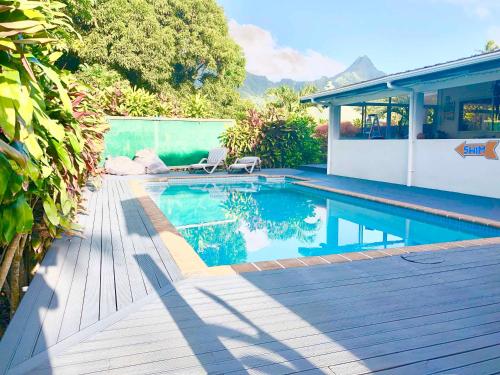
pixel 139 103
pixel 289 143
pixel 243 138
pixel 169 48
pixel 118 98
pixel 282 135
pixel 197 106
pixel 51 129
pixel 80 11
pixel 491 46
pixel 283 102
pixel 321 133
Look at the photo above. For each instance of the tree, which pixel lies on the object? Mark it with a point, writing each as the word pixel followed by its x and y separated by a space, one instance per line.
pixel 490 46
pixel 126 36
pixel 283 102
pixel 166 46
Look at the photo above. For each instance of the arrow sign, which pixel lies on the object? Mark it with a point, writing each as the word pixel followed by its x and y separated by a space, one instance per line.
pixel 486 149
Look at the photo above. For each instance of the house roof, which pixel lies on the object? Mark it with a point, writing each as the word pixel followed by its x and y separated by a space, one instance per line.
pixel 475 63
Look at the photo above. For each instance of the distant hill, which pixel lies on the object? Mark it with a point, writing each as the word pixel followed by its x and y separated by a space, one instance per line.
pixel 362 69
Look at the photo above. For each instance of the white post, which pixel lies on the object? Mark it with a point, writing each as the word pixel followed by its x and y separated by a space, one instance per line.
pixel 333 133
pixel 416 125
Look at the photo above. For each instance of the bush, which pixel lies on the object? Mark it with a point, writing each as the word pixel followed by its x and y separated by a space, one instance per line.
pixel 279 143
pixel 118 98
pixel 347 129
pixel 321 133
pixel 51 137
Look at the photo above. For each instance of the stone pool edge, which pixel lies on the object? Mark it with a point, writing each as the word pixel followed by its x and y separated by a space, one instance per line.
pixel 191 265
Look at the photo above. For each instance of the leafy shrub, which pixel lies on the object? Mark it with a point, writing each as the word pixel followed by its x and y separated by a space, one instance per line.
pixel 279 143
pixel 197 106
pixel 243 138
pixel 139 103
pixel 289 143
pixel 51 133
pixel 347 129
pixel 118 98
pixel 321 133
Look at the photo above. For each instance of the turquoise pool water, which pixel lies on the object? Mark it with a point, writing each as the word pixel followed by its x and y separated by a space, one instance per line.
pixel 229 222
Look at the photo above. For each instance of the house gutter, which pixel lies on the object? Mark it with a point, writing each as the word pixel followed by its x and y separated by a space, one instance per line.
pixel 460 63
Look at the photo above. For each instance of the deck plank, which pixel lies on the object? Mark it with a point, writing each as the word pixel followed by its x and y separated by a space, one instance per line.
pixel 90 308
pixel 51 271
pixel 73 311
pixel 122 282
pixel 107 302
pixel 56 311
pixel 476 359
pixel 13 335
pixel 149 257
pixel 137 283
pixel 136 232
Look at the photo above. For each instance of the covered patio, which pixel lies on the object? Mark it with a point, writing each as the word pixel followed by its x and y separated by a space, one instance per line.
pixel 436 127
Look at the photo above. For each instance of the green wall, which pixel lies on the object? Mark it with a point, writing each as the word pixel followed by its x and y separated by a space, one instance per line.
pixel 177 142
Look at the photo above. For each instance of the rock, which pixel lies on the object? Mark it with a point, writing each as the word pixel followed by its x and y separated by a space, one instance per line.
pixel 151 161
pixel 121 165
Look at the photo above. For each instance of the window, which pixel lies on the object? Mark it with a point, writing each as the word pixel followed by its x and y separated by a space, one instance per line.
pixel 478 114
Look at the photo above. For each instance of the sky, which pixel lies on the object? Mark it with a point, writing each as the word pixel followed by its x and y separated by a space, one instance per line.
pixel 305 40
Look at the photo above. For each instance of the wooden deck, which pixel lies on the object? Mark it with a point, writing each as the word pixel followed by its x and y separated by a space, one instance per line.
pixel 113 303
pixel 83 280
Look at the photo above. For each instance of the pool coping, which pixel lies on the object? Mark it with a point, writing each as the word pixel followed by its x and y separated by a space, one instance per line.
pixel 190 264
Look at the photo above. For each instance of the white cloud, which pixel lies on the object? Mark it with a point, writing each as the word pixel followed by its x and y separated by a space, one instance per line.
pixel 265 57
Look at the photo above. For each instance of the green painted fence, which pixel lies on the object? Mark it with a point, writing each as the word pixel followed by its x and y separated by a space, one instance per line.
pixel 176 141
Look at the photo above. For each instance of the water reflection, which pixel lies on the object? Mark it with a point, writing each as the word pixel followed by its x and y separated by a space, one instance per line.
pixel 236 223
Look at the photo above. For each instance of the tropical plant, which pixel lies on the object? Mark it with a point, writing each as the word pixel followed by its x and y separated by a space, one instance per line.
pixel 165 47
pixel 138 102
pixel 243 138
pixel 289 143
pixel 281 134
pixel 50 136
pixel 278 143
pixel 321 133
pixel 197 106
pixel 283 102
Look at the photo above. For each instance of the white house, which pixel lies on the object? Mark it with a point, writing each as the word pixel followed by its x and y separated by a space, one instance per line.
pixel 436 127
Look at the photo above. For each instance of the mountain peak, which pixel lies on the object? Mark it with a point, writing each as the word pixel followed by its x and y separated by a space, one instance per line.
pixel 361 69
pixel 365 67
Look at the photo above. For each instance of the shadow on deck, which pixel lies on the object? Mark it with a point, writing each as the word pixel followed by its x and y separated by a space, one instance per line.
pixel 85 280
pixel 386 315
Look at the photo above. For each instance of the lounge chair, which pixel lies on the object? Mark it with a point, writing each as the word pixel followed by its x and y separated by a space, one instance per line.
pixel 216 158
pixel 248 163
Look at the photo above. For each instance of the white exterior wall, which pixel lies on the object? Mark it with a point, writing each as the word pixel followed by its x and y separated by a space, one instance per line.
pixel 438 166
pixel 380 160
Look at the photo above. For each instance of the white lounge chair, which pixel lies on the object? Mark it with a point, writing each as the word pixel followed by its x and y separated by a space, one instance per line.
pixel 216 158
pixel 248 163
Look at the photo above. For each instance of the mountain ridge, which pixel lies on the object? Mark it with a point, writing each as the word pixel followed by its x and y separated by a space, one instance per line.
pixel 361 69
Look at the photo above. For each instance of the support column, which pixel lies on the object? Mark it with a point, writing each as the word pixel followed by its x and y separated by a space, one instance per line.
pixel 416 126
pixel 333 133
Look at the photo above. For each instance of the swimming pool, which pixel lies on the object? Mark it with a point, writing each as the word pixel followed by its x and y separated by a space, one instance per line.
pixel 249 219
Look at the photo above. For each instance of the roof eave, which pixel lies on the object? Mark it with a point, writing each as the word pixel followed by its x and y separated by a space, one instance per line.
pixel 389 79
